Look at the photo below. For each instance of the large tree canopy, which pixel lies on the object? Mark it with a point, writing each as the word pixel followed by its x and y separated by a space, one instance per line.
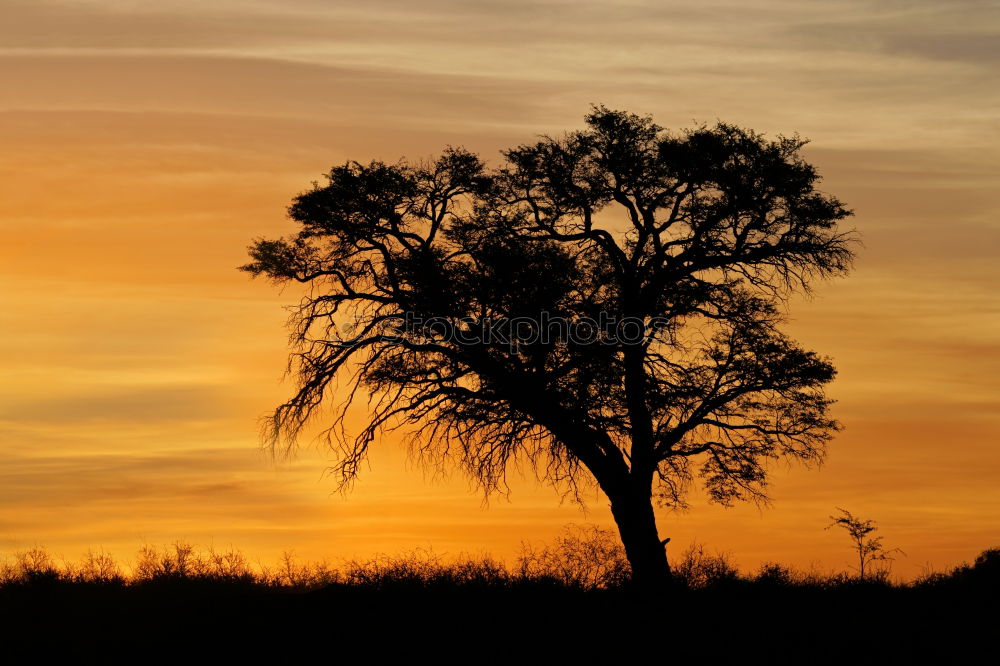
pixel 605 305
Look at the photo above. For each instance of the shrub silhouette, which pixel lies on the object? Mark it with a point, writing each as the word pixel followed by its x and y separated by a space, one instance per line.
pixel 182 563
pixel 564 601
pixel 586 557
pixel 773 574
pixel 582 558
pixel 700 570
pixel 292 574
pixel 32 567
pixel 424 569
pixel 98 568
pixel 983 574
pixel 987 566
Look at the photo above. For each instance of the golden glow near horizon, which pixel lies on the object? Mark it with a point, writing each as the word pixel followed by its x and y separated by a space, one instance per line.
pixel 145 144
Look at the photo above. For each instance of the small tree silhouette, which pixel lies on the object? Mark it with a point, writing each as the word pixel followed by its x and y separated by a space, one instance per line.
pixel 869 548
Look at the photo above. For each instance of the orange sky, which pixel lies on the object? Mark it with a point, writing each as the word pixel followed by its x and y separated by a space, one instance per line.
pixel 145 144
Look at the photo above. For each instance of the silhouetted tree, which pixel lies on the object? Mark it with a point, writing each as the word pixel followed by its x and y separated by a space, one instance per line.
pixel 868 547
pixel 604 305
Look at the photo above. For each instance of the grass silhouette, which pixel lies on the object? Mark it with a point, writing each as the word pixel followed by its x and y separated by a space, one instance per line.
pixel 568 600
pixel 583 558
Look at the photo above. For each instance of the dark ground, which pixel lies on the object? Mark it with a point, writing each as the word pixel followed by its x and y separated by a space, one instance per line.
pixel 191 622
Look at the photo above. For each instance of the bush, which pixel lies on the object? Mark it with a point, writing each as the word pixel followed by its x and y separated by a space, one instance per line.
pixel 772 574
pixel 97 569
pixel 699 570
pixel 984 574
pixel 30 567
pixel 584 557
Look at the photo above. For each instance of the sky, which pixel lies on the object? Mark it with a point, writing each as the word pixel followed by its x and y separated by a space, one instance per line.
pixel 145 144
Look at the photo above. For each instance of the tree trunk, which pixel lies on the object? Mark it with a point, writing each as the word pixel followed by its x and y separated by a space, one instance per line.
pixel 633 512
